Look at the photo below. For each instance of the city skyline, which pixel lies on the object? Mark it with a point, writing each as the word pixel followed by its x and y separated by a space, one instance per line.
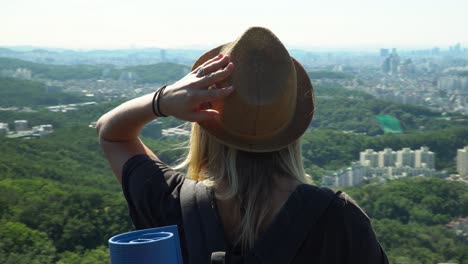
pixel 106 24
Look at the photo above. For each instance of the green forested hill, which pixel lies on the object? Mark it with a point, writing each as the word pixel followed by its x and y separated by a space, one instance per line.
pixel 409 217
pixel 16 92
pixel 154 73
pixel 60 200
pixel 54 72
pixel 82 117
pixel 57 197
pixel 336 109
pixel 331 149
pixel 71 155
pixel 341 109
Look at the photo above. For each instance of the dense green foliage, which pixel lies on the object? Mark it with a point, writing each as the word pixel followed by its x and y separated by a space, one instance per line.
pixel 15 92
pixel 21 244
pixel 62 190
pixel 420 244
pixel 410 216
pixel 58 217
pixel 346 110
pixel 59 192
pixel 75 217
pixel 71 156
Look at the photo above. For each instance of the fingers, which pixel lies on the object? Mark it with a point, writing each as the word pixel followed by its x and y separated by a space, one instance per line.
pixel 214 59
pixel 199 96
pixel 204 115
pixel 212 65
pixel 214 94
pixel 216 64
pixel 217 57
pixel 216 76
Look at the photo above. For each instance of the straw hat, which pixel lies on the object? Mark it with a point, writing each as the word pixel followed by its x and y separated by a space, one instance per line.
pixel 273 101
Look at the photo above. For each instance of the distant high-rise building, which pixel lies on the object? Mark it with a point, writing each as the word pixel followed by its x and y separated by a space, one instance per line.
pixel 358 172
pixel 4 129
pixel 369 158
pixel 462 161
pixel 42 130
pixel 405 157
pixel 22 73
pixel 163 54
pixel 21 125
pixel 387 164
pixel 47 128
pixel 386 65
pixel 407 67
pixel 345 178
pixel 384 53
pixel 330 179
pixel 453 83
pixel 386 158
pixel 424 156
pixel 394 63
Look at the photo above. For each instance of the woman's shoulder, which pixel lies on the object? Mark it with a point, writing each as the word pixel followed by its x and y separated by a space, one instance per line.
pixel 144 169
pixel 152 191
pixel 346 206
pixel 336 208
pixel 344 231
pixel 338 203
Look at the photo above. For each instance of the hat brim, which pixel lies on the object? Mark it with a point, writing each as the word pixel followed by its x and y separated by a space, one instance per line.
pixel 299 123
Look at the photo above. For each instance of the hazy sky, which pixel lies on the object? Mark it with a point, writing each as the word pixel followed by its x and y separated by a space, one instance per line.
pixel 204 23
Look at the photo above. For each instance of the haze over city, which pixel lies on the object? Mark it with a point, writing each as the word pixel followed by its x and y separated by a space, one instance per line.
pixel 110 24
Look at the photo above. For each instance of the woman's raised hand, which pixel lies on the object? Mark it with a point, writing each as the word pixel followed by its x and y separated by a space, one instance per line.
pixel 184 98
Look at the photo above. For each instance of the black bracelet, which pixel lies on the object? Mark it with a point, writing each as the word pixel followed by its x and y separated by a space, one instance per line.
pixel 152 104
pixel 161 91
pixel 155 104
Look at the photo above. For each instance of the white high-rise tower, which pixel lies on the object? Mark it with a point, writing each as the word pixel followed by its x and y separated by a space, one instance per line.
pixel 462 161
pixel 424 156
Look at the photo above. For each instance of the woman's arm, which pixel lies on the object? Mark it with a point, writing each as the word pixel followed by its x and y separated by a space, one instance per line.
pixel 118 129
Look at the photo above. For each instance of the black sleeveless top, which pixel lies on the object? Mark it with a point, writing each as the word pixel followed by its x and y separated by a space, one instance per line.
pixel 345 235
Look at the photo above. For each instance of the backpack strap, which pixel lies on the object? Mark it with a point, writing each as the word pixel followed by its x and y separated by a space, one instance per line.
pixel 211 224
pixel 290 229
pixel 192 222
pixel 202 229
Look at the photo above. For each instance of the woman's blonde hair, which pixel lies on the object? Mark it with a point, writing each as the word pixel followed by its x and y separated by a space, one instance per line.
pixel 249 178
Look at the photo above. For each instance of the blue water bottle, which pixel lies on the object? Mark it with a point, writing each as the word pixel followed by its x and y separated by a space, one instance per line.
pixel 154 245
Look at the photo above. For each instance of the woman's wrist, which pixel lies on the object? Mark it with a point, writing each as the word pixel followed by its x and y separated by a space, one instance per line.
pixel 156 104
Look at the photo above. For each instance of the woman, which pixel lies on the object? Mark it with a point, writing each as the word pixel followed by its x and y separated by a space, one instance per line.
pixel 249 102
